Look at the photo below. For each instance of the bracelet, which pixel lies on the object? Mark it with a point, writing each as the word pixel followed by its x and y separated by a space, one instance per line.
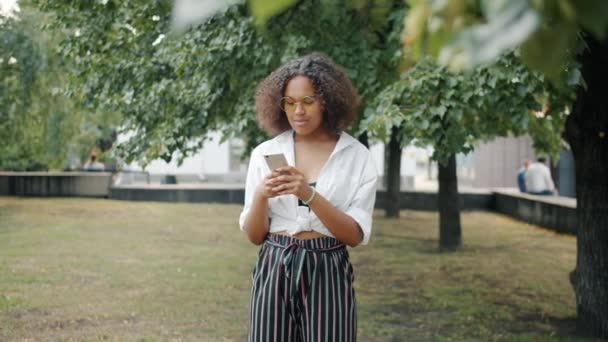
pixel 312 196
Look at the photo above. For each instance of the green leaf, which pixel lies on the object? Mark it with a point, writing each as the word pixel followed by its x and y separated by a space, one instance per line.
pixel 560 40
pixel 593 16
pixel 484 43
pixel 263 10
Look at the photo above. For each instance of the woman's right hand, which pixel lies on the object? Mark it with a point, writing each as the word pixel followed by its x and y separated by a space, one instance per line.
pixel 265 187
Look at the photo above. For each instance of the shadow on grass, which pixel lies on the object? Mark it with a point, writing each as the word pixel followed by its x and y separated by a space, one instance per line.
pixel 414 292
pixel 563 326
pixel 397 242
pixel 431 246
pixel 424 321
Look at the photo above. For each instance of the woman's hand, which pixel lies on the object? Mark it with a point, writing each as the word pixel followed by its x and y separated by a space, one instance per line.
pixel 288 180
pixel 265 188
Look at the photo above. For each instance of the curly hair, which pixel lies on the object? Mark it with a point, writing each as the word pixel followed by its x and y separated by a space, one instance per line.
pixel 336 91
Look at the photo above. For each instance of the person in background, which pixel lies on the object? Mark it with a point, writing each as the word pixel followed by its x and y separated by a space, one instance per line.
pixel 93 164
pixel 538 179
pixel 521 176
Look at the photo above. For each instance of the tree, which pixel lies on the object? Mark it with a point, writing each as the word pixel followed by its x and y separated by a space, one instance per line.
pixel 30 138
pixel 204 78
pixel 173 89
pixel 553 37
pixel 452 112
pixel 39 127
pixel 20 63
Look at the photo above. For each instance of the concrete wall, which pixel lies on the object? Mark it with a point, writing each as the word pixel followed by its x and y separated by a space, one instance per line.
pixel 556 213
pixel 86 184
pixel 423 200
pixel 4 186
pixel 167 193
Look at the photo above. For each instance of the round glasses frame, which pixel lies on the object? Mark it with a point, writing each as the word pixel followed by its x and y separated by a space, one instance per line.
pixel 290 107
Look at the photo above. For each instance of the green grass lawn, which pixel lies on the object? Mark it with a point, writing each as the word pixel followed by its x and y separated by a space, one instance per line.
pixel 89 269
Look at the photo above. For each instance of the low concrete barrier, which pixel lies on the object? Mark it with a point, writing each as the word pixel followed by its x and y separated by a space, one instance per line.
pixel 427 200
pixel 553 212
pixel 218 193
pixel 85 184
pixel 235 193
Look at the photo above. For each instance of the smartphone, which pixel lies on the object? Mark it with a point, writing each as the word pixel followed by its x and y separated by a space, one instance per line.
pixel 275 161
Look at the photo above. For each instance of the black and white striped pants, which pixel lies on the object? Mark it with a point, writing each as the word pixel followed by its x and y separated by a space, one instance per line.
pixel 302 291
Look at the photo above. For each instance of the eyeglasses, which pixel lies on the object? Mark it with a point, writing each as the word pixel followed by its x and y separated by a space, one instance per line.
pixel 289 105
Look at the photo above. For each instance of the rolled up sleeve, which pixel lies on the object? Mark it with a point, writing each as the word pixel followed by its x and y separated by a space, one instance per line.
pixel 361 208
pixel 254 177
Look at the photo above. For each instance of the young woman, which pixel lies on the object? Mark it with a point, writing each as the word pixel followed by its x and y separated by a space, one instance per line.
pixel 306 212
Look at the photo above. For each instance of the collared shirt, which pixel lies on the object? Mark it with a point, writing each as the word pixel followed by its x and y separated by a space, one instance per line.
pixel 538 178
pixel 347 180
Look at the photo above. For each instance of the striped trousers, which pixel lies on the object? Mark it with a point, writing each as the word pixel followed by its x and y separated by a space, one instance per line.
pixel 302 291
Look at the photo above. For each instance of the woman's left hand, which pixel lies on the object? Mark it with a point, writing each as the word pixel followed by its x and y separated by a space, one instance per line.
pixel 292 182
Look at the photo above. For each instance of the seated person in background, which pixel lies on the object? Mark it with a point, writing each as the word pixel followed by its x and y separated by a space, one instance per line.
pixel 538 179
pixel 93 165
pixel 521 176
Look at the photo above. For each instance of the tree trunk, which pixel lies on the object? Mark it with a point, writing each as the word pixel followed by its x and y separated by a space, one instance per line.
pixel 450 233
pixel 587 133
pixel 393 175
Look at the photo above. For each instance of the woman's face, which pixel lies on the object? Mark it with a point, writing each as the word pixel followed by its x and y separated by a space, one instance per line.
pixel 303 108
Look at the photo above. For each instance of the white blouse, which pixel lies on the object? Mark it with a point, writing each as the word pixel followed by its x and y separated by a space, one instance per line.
pixel 347 180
